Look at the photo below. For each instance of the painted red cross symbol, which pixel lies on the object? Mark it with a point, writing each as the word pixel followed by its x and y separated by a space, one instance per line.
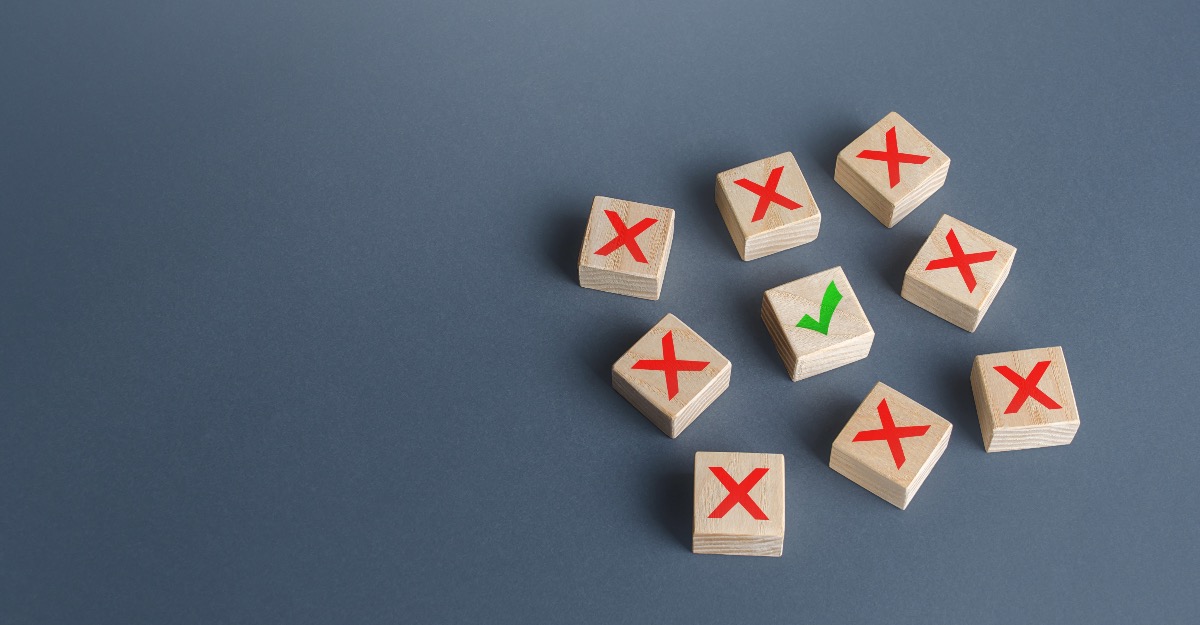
pixel 1027 387
pixel 963 261
pixel 670 366
pixel 890 433
pixel 626 237
pixel 893 156
pixel 767 195
pixel 738 493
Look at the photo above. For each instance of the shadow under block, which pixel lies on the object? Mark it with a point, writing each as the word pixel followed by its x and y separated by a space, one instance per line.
pixel 958 272
pixel 738 504
pixel 891 168
pixel 625 248
pixel 767 206
pixel 890 445
pixel 1024 399
pixel 817 323
pixel 671 375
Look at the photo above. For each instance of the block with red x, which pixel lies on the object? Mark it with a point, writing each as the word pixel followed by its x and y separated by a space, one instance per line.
pixel 1024 399
pixel 671 375
pixel 767 206
pixel 625 248
pixel 891 169
pixel 738 504
pixel 958 272
pixel 890 445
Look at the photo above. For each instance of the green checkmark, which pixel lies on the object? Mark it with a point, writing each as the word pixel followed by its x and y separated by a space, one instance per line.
pixel 828 305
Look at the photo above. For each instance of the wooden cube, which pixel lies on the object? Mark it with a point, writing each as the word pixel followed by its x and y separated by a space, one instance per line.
pixel 738 504
pixel 625 248
pixel 890 445
pixel 817 323
pixel 958 272
pixel 767 206
pixel 671 375
pixel 891 169
pixel 1024 399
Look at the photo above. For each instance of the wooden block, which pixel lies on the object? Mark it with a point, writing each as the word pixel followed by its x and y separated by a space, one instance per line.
pixel 767 206
pixel 1024 399
pixel 738 504
pixel 671 375
pixel 958 272
pixel 890 445
pixel 891 169
pixel 625 248
pixel 817 323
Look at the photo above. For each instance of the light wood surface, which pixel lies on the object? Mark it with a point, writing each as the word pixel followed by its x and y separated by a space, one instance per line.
pixel 737 532
pixel 944 291
pixel 872 464
pixel 619 271
pixel 1033 423
pixel 805 351
pixel 779 228
pixel 647 388
pixel 868 180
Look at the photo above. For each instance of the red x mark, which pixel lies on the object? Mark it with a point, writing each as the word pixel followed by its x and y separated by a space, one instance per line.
pixel 670 366
pixel 893 156
pixel 890 433
pixel 626 237
pixel 767 195
pixel 1027 387
pixel 963 261
pixel 738 494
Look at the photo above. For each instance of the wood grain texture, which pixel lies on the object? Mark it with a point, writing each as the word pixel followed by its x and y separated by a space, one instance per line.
pixel 646 389
pixel 867 180
pixel 780 228
pixel 870 463
pixel 619 272
pixel 737 533
pixel 1034 424
pixel 806 352
pixel 944 292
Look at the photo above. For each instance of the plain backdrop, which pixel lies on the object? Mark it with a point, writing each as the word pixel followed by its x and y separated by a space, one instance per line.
pixel 290 327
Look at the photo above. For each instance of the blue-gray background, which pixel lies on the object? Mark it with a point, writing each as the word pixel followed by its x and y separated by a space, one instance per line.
pixel 290 332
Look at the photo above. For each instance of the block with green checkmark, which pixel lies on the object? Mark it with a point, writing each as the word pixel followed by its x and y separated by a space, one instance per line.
pixel 817 323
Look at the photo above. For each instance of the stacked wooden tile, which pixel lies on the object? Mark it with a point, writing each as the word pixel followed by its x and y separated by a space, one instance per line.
pixel 891 169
